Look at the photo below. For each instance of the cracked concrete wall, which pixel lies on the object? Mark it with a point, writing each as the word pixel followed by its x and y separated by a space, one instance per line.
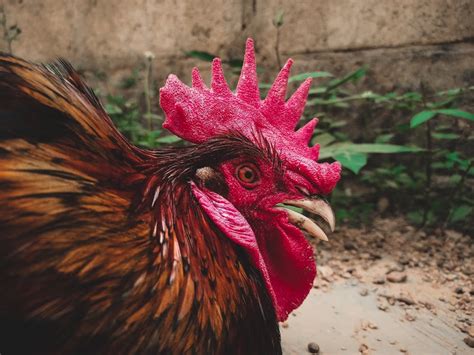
pixel 403 41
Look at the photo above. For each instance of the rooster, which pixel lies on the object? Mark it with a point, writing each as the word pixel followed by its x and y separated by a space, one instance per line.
pixel 109 248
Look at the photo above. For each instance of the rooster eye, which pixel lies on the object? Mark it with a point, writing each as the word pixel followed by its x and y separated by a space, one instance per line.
pixel 247 174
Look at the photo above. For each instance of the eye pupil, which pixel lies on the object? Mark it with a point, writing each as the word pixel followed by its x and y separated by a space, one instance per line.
pixel 247 174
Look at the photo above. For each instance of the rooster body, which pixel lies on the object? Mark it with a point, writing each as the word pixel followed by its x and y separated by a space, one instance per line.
pixel 80 273
pixel 108 248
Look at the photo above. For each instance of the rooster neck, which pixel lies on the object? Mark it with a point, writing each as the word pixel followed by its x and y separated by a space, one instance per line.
pixel 200 274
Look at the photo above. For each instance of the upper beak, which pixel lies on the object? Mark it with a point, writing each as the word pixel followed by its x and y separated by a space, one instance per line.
pixel 317 207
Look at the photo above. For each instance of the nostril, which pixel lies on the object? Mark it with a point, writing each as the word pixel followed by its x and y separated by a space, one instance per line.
pixel 303 190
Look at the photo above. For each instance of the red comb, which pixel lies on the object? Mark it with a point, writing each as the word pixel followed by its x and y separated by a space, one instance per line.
pixel 199 113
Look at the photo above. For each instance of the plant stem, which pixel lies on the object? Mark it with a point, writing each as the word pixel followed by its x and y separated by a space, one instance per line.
pixel 277 47
pixel 11 33
pixel 428 160
pixel 3 21
pixel 147 91
pixel 336 101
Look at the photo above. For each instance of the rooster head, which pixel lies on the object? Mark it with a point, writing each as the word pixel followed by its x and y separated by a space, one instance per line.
pixel 247 206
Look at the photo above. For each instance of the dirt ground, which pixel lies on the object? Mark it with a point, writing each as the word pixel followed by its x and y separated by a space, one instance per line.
pixel 388 289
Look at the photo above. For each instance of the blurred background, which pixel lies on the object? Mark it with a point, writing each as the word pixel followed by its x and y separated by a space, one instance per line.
pixel 393 88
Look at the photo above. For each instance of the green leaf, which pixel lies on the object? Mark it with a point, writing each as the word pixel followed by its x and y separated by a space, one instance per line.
pixel 438 165
pixel 113 109
pixel 384 138
pixel 235 63
pixel 315 74
pixel 449 92
pixel 317 91
pixel 457 113
pixel 445 135
pixel 337 124
pixel 460 213
pixel 152 116
pixel 168 139
pixel 342 214
pixel 352 161
pixel 264 85
pixel 323 139
pixel 455 178
pixel 421 117
pixel 424 116
pixel 278 19
pixel 205 56
pixel 415 217
pixel 354 76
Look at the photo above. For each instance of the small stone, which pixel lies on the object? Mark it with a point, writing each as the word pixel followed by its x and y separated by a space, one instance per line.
pixel 403 350
pixel 462 327
pixel 364 349
pixel 410 317
pixel 326 273
pixel 468 270
pixel 372 325
pixel 397 277
pixel 470 331
pixel 452 277
pixel 375 256
pixel 469 341
pixel 428 306
pixel 285 325
pixel 379 280
pixel 459 290
pixel 364 292
pixel 313 348
pixel 404 260
pixel 406 299
pixel 399 268
pixel 348 245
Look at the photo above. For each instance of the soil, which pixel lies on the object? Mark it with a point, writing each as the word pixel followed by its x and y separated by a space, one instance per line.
pixel 388 289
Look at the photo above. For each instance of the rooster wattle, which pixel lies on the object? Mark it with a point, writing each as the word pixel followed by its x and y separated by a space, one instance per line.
pixel 109 248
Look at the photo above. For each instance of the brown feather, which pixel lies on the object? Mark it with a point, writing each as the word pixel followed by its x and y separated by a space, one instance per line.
pixel 103 247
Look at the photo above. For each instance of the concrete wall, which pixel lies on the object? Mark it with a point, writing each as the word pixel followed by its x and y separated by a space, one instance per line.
pixel 403 41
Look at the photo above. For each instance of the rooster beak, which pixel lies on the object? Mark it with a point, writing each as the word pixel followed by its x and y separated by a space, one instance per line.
pixel 317 207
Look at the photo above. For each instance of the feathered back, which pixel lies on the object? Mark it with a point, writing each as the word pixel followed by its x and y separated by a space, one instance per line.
pixel 51 103
pixel 66 180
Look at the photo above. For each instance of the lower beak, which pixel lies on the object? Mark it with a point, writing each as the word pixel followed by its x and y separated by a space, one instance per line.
pixel 315 206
